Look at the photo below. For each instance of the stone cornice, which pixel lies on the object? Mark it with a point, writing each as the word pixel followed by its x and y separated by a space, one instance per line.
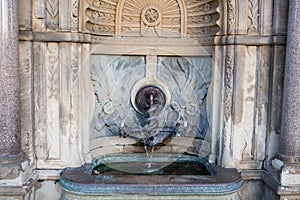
pixel 255 40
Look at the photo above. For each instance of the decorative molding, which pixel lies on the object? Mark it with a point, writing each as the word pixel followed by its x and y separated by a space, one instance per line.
pixel 170 22
pixel 100 16
pixel 75 103
pixel 74 15
pixel 52 101
pixel 52 73
pixel 229 66
pixel 176 18
pixel 52 14
pixel 226 148
pixel 203 40
pixel 253 15
pixel 231 16
pixel 202 17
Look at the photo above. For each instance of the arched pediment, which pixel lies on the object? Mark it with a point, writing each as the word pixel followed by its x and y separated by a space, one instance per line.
pixel 161 18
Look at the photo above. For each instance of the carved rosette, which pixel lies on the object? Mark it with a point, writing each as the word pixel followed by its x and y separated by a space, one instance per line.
pixel 166 18
pixel 151 18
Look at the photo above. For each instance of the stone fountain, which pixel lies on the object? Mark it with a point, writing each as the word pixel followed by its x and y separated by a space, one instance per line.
pixel 156 104
pixel 78 97
pixel 148 106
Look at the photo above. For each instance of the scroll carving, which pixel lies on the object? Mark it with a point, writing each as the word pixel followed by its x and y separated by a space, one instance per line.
pixel 202 17
pixel 101 16
pixel 52 14
pixel 231 17
pixel 74 15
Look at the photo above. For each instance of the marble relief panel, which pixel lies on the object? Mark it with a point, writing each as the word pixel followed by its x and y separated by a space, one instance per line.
pixel 53 15
pixel 56 93
pixel 186 78
pixel 112 78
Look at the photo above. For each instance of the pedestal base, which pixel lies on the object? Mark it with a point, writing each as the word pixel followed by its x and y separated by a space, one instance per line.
pixel 17 180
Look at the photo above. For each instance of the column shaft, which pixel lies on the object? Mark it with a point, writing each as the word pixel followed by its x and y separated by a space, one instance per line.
pixel 290 128
pixel 10 140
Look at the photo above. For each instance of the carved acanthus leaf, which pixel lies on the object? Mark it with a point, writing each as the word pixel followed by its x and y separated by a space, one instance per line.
pixel 228 87
pixel 52 14
pixel 231 16
pixel 102 29
pixel 53 72
pixel 229 67
pixel 253 16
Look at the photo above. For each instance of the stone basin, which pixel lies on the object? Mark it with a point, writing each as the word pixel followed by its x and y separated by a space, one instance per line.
pixel 163 176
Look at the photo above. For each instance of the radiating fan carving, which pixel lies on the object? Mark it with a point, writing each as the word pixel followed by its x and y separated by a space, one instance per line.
pixel 155 18
pixel 161 18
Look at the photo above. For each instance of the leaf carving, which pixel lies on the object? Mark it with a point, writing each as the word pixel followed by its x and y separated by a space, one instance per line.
pixel 52 14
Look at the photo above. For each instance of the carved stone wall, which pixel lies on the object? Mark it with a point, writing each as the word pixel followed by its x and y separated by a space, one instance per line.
pixel 242 57
pixel 245 39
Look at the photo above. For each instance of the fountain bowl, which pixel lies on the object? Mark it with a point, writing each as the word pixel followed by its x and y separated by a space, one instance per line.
pixel 162 176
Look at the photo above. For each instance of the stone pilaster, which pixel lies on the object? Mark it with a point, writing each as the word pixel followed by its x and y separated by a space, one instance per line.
pixel 290 129
pixel 10 142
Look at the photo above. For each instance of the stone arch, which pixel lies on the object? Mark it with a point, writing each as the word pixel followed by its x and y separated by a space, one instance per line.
pixel 183 16
pixel 183 10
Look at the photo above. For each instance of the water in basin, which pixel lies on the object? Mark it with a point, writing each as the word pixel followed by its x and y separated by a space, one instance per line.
pixel 151 166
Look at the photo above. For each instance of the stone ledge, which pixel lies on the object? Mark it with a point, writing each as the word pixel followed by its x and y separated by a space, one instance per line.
pixel 49 174
pixel 255 40
pixel 12 190
pixel 10 171
pixel 18 191
pixel 17 180
pixel 289 191
pixel 290 175
pixel 271 182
